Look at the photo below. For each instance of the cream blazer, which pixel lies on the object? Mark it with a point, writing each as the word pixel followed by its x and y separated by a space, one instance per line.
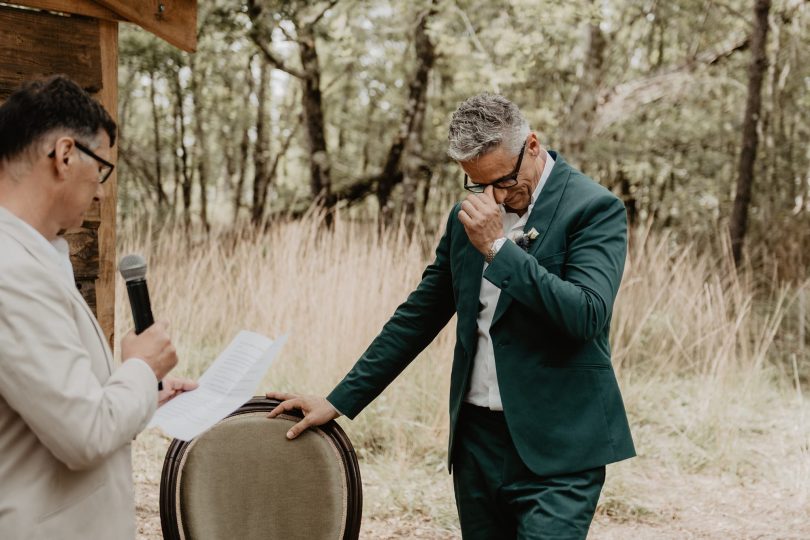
pixel 67 414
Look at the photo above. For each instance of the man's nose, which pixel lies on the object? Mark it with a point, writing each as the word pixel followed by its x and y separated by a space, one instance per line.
pixel 99 192
pixel 499 195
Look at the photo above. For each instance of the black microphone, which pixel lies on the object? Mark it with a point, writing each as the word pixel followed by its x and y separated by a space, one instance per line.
pixel 133 270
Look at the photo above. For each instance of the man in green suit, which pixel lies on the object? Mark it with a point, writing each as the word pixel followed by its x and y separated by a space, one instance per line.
pixel 531 263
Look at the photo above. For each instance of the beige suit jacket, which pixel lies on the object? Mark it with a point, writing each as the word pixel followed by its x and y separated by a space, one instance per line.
pixel 67 415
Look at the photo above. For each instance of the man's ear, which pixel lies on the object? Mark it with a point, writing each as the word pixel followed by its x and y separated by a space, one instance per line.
pixel 533 144
pixel 64 152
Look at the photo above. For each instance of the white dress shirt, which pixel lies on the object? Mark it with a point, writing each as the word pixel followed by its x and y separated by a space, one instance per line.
pixel 484 390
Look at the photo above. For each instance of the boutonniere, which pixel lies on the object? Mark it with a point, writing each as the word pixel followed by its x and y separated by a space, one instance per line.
pixel 524 240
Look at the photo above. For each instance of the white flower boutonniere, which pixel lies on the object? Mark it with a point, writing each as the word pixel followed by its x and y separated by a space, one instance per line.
pixel 524 240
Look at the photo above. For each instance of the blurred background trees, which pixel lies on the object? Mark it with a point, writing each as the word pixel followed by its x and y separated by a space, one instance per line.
pixel 295 110
pixel 344 104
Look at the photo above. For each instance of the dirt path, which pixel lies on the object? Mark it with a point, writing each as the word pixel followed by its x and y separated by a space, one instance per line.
pixel 662 507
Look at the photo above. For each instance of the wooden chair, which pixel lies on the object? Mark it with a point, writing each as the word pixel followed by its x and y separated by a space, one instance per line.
pixel 243 479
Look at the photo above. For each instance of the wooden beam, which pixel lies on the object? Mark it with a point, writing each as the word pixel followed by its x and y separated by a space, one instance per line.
pixel 84 256
pixel 175 21
pixel 105 283
pixel 88 8
pixel 36 44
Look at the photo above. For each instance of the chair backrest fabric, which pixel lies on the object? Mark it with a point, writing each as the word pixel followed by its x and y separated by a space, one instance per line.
pixel 243 479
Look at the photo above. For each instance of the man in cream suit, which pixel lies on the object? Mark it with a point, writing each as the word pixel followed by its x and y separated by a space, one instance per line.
pixel 67 414
pixel 530 263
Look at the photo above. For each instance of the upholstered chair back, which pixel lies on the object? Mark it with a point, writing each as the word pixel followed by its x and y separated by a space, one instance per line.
pixel 243 479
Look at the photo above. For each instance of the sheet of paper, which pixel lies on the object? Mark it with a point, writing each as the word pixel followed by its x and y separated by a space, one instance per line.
pixel 227 384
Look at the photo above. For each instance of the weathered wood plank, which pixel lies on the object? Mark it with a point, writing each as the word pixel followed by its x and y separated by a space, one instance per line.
pixel 84 250
pixel 37 44
pixel 88 8
pixel 176 21
pixel 105 282
pixel 88 289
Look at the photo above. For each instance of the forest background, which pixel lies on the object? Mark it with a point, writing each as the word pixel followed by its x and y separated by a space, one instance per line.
pixel 291 176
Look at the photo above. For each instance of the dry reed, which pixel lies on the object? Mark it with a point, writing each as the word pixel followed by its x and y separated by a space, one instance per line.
pixel 694 346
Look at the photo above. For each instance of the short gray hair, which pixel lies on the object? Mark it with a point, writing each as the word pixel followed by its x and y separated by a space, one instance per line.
pixel 483 122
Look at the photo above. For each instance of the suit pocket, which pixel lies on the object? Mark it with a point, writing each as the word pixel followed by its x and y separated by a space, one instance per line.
pixel 590 366
pixel 554 258
pixel 69 489
pixel 553 263
pixel 575 416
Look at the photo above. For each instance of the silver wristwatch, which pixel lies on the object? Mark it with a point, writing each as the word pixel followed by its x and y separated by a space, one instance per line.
pixel 494 248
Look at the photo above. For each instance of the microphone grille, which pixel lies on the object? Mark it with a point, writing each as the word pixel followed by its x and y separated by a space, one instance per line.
pixel 132 267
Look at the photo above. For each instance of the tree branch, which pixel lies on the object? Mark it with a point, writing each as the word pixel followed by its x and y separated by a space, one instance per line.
pixel 254 13
pixel 621 100
pixel 289 36
pixel 318 17
pixel 478 45
pixel 274 60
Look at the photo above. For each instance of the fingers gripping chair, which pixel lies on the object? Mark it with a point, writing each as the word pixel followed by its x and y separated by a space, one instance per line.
pixel 243 480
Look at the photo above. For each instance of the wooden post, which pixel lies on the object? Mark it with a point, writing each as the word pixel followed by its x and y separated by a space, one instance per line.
pixel 105 282
pixel 80 39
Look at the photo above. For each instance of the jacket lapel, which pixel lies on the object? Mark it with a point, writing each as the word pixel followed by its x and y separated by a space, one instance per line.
pixel 540 219
pixel 37 250
pixel 469 292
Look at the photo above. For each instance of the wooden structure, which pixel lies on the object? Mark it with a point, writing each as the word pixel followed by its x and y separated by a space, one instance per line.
pixel 79 38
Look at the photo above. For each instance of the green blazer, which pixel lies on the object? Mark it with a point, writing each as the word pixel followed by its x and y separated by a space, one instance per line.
pixel 549 332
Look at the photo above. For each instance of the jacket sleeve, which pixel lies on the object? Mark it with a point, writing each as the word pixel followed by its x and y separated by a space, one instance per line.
pixel 414 324
pixel 581 304
pixel 46 374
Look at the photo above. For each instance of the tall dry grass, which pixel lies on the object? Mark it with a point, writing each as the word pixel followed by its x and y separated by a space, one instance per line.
pixel 695 346
pixel 330 290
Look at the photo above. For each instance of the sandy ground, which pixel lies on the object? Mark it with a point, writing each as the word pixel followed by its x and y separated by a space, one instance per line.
pixel 678 507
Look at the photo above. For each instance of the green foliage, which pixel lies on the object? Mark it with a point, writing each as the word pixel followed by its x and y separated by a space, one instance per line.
pixel 656 88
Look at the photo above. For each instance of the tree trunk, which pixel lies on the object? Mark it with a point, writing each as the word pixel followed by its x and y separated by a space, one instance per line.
pixel 410 127
pixel 185 169
pixel 261 153
pixel 628 198
pixel 176 160
pixel 158 185
pixel 414 168
pixel 580 118
pixel 319 168
pixel 748 153
pixel 244 146
pixel 311 99
pixel 200 143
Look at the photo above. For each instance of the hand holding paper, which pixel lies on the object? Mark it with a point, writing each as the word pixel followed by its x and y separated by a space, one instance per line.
pixel 173 387
pixel 230 381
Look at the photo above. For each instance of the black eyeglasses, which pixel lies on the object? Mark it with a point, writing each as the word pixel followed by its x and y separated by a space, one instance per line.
pixel 504 182
pixel 104 171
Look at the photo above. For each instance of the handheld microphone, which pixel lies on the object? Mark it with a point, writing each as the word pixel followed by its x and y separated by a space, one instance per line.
pixel 133 270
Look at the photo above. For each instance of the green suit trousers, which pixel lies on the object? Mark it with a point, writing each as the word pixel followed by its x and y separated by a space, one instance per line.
pixel 499 498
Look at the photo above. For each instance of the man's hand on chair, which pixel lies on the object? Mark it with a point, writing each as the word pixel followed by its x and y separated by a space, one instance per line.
pixel 317 411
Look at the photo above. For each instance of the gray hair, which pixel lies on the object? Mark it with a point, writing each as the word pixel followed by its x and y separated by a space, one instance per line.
pixel 483 122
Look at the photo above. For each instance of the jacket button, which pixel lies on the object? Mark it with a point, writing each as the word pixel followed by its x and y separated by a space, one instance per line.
pixel 504 283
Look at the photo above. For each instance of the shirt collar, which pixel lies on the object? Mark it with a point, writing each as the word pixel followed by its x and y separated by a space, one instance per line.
pixel 543 178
